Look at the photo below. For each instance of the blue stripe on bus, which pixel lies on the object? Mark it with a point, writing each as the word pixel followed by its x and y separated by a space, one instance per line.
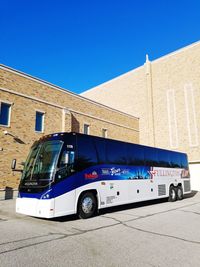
pixel 90 175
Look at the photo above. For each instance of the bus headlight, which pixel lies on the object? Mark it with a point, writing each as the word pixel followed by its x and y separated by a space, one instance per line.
pixel 46 195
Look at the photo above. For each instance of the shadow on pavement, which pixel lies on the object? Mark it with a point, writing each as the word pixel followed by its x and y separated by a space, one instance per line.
pixel 192 194
pixel 119 208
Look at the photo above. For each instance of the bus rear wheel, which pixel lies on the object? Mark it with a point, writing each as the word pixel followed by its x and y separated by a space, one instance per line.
pixel 179 193
pixel 87 205
pixel 172 194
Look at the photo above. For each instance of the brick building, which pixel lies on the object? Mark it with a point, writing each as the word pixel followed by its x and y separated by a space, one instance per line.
pixel 165 95
pixel 31 108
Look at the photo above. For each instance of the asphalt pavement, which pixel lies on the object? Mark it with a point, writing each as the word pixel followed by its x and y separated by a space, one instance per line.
pixel 155 233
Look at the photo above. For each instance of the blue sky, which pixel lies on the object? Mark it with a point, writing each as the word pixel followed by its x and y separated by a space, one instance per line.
pixel 78 44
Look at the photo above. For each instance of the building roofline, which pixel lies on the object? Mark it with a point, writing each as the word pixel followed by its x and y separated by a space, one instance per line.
pixel 176 51
pixel 136 69
pixel 114 79
pixel 23 74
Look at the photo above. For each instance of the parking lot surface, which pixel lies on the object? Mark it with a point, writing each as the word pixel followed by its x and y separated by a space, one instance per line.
pixel 156 233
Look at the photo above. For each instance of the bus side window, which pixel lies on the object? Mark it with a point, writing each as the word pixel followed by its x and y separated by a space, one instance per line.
pixel 116 152
pixel 66 165
pixel 175 160
pixel 150 157
pixel 163 158
pixel 99 145
pixel 184 161
pixel 87 155
pixel 135 155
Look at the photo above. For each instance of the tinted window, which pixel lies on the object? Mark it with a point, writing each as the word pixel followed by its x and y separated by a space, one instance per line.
pixel 99 145
pixel 39 121
pixel 135 155
pixel 184 161
pixel 86 152
pixel 115 152
pixel 66 165
pixel 42 161
pixel 150 156
pixel 4 114
pixel 175 160
pixel 163 158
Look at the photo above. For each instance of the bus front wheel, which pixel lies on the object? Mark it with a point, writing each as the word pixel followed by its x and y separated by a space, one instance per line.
pixel 87 205
pixel 172 194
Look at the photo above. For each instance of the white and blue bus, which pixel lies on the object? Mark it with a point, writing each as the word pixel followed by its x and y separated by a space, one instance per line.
pixel 69 173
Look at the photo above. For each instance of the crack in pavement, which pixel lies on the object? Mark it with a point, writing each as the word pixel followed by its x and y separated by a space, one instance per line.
pixel 154 214
pixel 24 239
pixel 79 232
pixel 61 236
pixel 124 223
pixel 163 235
pixel 28 245
pixel 193 212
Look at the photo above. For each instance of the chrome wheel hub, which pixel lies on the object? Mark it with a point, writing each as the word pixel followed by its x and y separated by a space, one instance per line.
pixel 179 192
pixel 173 193
pixel 87 205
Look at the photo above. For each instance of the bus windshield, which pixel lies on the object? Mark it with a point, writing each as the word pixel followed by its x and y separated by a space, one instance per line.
pixel 41 163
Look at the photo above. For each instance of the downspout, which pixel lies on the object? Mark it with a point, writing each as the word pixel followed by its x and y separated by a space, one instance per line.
pixel 150 106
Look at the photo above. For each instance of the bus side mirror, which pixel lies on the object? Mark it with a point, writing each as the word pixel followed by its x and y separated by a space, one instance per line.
pixel 66 159
pixel 13 164
pixel 71 157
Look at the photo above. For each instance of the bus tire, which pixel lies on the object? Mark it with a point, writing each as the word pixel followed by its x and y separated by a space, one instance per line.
pixel 87 205
pixel 172 194
pixel 179 193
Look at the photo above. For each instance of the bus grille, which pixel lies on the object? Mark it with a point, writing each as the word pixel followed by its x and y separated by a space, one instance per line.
pixel 187 186
pixel 161 190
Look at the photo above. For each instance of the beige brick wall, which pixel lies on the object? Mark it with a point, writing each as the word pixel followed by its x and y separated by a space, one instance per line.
pixel 64 111
pixel 114 131
pixel 42 91
pixel 176 86
pixel 125 93
pixel 23 127
pixel 165 94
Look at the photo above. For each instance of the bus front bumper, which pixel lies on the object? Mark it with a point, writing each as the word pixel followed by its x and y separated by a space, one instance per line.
pixel 43 208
